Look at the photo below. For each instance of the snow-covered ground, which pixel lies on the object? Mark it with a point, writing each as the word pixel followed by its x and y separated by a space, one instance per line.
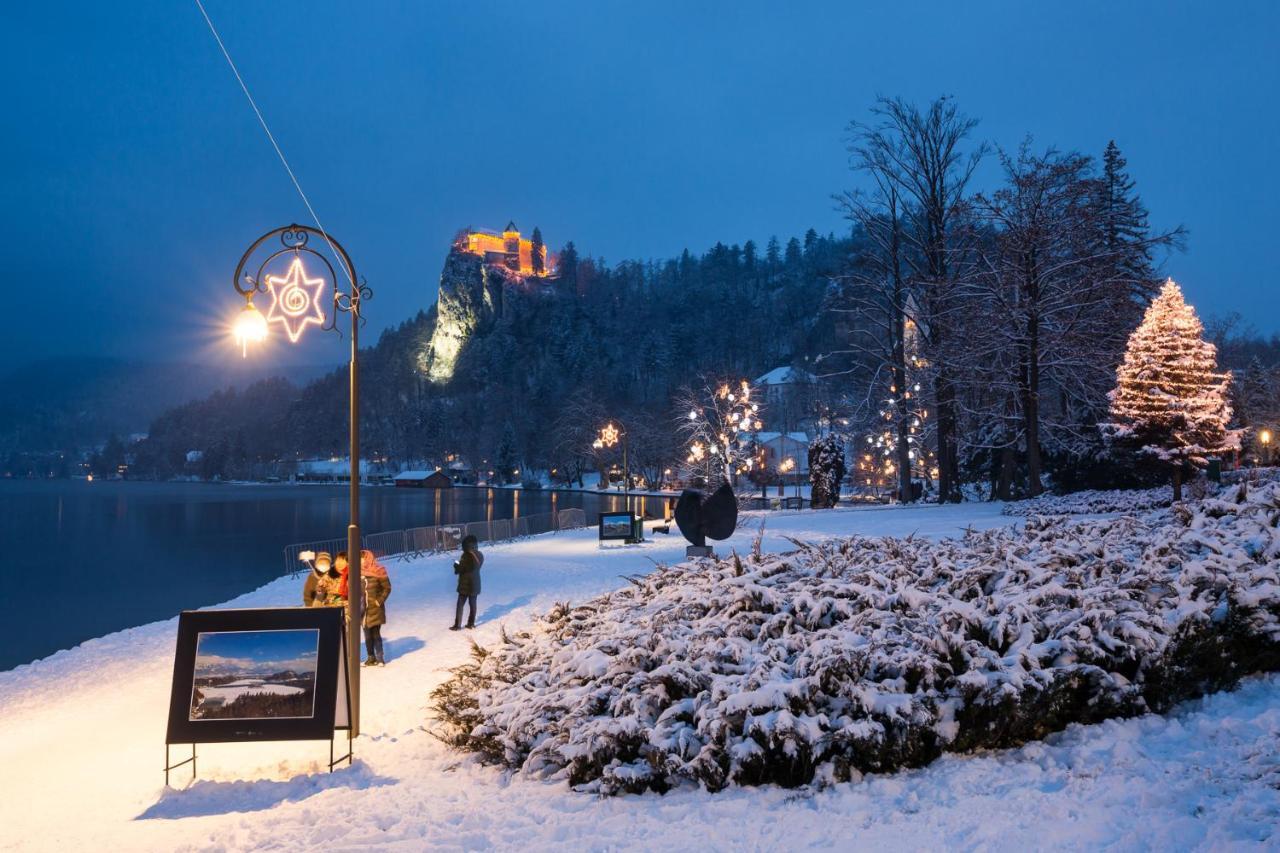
pixel 82 748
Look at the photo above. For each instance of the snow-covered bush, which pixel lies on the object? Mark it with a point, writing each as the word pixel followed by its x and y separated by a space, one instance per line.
pixel 826 470
pixel 1093 501
pixel 871 654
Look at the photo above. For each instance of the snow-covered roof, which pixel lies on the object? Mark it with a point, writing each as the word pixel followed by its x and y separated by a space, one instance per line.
pixel 785 376
pixel 413 475
pixel 330 466
pixel 768 437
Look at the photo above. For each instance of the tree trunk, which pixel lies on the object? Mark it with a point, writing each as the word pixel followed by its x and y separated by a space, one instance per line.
pixel 1005 484
pixel 903 447
pixel 948 458
pixel 900 363
pixel 1031 409
pixel 1177 483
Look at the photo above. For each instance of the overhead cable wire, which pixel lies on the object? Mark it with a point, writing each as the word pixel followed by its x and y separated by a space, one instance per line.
pixel 279 153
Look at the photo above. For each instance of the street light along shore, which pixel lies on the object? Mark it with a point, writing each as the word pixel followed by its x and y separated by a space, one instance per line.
pixel 297 300
pixel 609 436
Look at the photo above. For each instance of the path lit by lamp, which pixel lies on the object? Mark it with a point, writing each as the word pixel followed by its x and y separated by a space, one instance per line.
pixel 295 300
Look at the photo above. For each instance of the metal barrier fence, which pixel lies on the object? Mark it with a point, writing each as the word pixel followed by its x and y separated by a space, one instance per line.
pixel 417 541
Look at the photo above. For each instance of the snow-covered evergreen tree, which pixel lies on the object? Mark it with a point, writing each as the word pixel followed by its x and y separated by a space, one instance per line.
pixel 1170 401
pixel 826 470
pixel 1126 234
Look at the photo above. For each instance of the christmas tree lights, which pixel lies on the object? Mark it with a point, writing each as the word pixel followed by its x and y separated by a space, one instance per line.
pixel 1170 401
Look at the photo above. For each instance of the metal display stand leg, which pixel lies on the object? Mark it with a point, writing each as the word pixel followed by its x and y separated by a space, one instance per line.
pixel 349 757
pixel 168 766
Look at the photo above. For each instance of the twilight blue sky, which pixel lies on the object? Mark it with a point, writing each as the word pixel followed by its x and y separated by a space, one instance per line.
pixel 134 173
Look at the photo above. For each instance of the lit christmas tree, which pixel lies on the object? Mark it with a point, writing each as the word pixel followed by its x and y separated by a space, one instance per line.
pixel 1170 401
pixel 902 415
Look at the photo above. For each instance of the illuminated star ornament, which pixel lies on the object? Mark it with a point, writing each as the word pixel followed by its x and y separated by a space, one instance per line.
pixel 295 300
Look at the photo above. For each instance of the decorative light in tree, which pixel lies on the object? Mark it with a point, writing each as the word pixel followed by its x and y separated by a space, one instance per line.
pixel 295 300
pixel 877 465
pixel 721 430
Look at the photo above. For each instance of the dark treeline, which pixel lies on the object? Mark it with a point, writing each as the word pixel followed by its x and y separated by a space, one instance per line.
pixel 533 382
pixel 984 328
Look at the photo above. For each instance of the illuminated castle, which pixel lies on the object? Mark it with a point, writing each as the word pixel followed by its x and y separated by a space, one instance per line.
pixel 507 249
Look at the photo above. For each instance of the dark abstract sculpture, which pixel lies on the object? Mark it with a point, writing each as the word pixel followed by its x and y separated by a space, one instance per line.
pixel 714 518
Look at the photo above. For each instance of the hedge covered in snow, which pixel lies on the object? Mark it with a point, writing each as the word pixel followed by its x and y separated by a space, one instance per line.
pixel 867 654
pixel 1093 502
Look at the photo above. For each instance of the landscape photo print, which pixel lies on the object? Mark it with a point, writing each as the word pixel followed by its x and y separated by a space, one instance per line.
pixel 616 525
pixel 262 674
pixel 255 674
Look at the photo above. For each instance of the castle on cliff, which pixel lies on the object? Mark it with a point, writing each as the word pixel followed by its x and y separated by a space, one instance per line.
pixel 506 248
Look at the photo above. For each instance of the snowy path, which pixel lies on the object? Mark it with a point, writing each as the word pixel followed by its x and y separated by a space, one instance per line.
pixel 83 741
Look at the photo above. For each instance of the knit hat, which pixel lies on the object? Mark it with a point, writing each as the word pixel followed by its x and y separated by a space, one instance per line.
pixel 323 557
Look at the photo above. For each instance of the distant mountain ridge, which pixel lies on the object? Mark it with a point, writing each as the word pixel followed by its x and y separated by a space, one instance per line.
pixel 61 403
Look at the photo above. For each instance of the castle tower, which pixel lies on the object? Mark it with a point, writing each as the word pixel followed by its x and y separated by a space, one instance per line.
pixel 511 246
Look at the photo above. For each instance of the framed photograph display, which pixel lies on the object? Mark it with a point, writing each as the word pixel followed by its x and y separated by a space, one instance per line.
pixel 248 675
pixel 616 526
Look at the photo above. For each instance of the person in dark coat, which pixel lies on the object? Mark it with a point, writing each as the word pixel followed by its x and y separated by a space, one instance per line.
pixel 315 590
pixel 467 568
pixel 377 588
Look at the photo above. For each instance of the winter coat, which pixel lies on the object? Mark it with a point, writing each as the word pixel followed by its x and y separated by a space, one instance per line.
pixel 377 588
pixel 309 589
pixel 468 571
pixel 341 587
pixel 326 592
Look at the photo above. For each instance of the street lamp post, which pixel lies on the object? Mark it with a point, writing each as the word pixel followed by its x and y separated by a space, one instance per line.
pixel 296 302
pixel 609 437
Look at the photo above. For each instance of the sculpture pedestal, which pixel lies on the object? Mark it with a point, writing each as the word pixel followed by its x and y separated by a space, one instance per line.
pixel 699 551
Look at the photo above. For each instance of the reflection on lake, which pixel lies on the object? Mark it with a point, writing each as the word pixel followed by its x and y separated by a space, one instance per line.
pixel 84 559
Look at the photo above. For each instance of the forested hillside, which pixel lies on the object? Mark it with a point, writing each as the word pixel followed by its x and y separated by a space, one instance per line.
pixel 601 340
pixel 963 336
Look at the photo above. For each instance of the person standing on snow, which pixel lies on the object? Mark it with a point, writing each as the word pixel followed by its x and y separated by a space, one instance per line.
pixel 377 588
pixel 467 568
pixel 338 591
pixel 320 583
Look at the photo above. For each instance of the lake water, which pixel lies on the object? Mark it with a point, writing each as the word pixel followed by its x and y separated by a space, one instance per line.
pixel 81 559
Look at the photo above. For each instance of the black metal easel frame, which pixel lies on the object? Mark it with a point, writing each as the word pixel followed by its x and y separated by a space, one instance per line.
pixel 333 762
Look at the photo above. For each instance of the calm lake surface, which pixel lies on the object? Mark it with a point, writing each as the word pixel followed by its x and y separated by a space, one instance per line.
pixel 83 559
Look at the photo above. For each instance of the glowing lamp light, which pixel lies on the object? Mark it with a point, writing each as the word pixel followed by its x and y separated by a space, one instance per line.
pixel 250 328
pixel 295 300
pixel 693 414
pixel 1265 436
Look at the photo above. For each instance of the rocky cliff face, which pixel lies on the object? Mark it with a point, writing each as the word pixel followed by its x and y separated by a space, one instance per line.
pixel 470 299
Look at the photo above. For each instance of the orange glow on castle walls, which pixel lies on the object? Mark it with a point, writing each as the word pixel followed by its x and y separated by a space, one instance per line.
pixel 507 248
